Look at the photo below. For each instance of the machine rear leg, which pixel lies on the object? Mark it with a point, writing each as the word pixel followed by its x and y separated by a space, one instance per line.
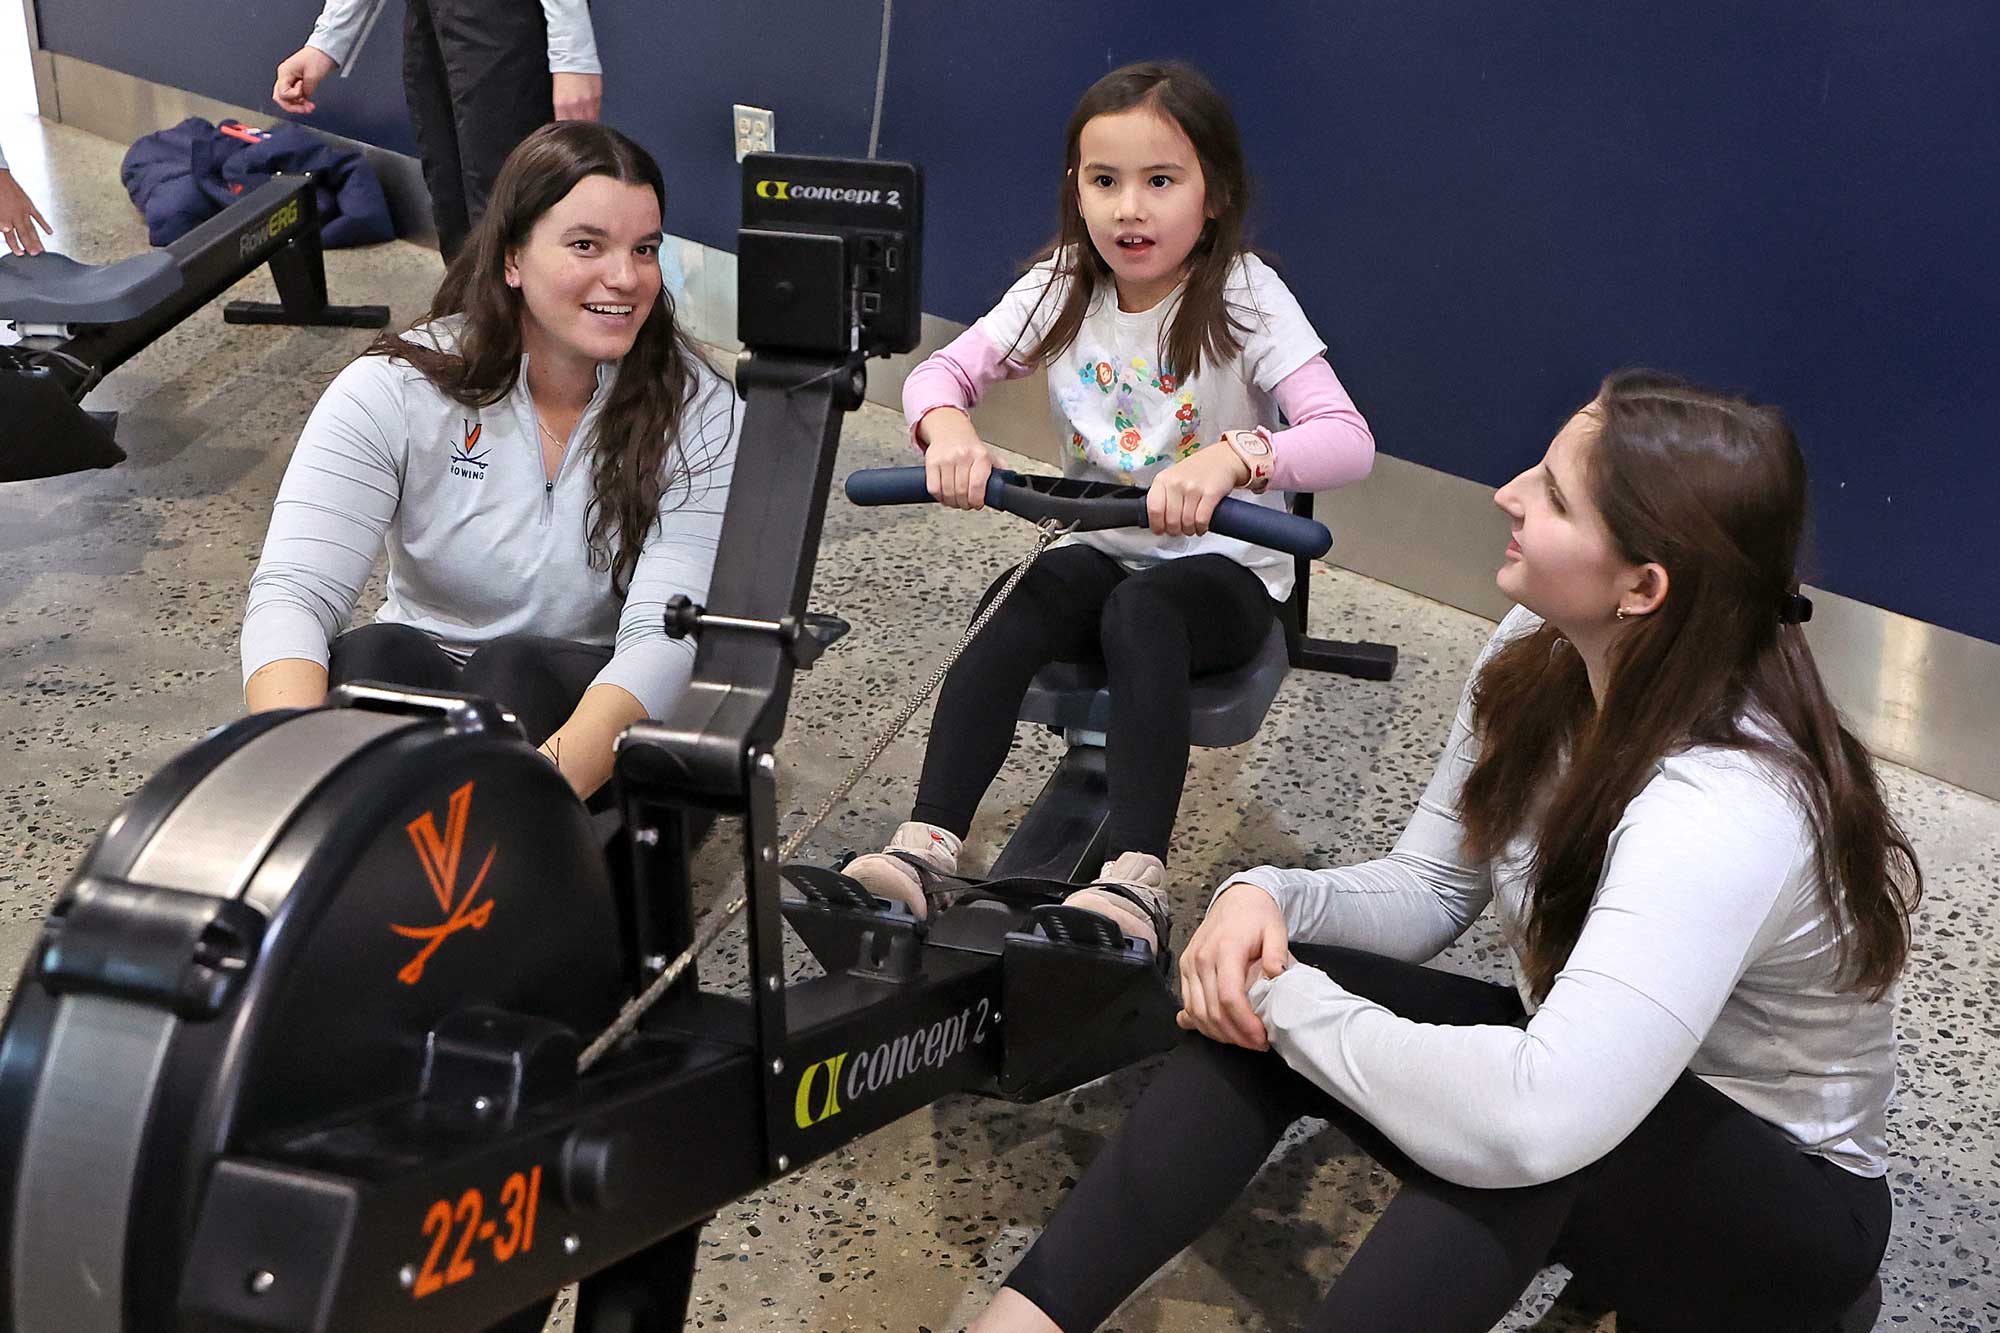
pixel 299 268
pixel 644 1293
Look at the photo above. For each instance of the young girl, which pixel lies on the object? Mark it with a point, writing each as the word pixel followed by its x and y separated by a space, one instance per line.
pixel 1683 1096
pixel 1171 351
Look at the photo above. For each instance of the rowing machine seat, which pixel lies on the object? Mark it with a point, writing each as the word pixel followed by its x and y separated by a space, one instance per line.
pixel 1225 707
pixel 49 288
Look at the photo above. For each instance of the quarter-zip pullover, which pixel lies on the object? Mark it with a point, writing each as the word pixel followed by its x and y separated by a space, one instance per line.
pixel 481 542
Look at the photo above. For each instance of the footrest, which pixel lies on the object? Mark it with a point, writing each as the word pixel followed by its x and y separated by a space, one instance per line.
pixel 1079 927
pixel 1081 1000
pixel 849 929
pixel 830 888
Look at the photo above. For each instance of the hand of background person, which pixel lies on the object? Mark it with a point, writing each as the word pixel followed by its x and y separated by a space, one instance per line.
pixel 579 96
pixel 299 75
pixel 18 216
pixel 956 461
pixel 1241 939
pixel 1182 499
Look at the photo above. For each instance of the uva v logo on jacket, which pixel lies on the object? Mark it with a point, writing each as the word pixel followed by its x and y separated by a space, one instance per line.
pixel 464 462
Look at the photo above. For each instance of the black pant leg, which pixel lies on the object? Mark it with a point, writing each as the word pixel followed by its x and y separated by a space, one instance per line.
pixel 1445 1258
pixel 392 655
pixel 496 59
pixel 1199 1133
pixel 1193 1140
pixel 538 680
pixel 1704 1218
pixel 1708 1218
pixel 1051 616
pixel 427 91
pixel 1161 627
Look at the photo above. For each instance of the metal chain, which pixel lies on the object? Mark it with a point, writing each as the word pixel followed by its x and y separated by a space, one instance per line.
pixel 719 918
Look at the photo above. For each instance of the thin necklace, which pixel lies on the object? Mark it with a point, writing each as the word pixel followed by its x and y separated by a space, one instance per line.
pixel 558 443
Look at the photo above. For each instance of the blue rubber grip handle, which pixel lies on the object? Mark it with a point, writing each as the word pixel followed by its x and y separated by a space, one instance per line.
pixel 1273 528
pixel 894 486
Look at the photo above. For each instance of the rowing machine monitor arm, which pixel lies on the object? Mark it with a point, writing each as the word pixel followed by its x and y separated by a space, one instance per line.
pixel 829 276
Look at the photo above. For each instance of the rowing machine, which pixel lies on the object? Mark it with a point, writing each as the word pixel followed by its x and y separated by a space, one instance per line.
pixel 299 1046
pixel 76 323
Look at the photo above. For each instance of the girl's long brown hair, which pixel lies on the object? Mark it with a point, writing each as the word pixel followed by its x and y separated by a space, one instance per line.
pixel 1713 488
pixel 637 455
pixel 1205 325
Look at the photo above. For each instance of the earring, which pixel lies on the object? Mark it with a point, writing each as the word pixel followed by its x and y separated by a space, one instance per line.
pixel 1621 613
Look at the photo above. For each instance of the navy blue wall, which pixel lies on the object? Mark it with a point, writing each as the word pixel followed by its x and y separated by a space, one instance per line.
pixel 1485 206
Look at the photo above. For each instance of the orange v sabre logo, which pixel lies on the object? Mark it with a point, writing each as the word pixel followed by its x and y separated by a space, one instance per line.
pixel 440 857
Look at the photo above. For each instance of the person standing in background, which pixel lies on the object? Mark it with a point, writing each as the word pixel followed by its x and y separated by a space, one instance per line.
pixel 18 216
pixel 479 76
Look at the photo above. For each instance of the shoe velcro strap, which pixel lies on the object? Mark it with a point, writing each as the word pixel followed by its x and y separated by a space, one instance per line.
pixel 1162 923
pixel 936 884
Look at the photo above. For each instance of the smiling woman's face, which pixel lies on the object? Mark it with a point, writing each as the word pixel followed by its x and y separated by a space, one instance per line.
pixel 1562 563
pixel 589 272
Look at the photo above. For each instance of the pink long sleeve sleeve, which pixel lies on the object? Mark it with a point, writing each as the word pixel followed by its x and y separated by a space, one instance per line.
pixel 1328 444
pixel 959 374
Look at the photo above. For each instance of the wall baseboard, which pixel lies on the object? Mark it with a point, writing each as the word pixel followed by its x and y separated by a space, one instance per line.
pixel 1916 693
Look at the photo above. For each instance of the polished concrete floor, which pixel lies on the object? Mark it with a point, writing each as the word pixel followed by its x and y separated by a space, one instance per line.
pixel 120 597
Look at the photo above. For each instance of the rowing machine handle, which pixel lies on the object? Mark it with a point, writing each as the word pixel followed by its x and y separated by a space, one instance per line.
pixel 1093 506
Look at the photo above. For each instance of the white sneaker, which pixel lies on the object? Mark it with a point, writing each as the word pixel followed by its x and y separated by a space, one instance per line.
pixel 1143 876
pixel 889 876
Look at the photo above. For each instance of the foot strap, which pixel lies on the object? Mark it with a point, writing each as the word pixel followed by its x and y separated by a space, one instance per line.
pixel 939 887
pixel 1162 923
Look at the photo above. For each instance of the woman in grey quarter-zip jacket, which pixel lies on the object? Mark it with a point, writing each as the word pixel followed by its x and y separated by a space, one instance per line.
pixel 546 457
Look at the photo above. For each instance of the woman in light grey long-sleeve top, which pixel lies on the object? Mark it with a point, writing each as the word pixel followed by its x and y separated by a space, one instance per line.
pixel 547 459
pixel 1682 1097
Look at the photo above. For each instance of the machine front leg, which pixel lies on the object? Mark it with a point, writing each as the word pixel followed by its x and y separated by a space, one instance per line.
pixel 645 1292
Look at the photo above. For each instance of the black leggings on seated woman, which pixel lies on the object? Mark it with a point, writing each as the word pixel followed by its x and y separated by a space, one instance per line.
pixel 540 681
pixel 1704 1218
pixel 1152 630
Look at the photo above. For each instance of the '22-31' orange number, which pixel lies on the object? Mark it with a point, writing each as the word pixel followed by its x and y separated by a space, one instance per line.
pixel 518 1198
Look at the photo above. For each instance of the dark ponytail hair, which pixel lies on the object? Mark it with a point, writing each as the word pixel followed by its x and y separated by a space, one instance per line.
pixel 1204 325
pixel 1713 488
pixel 637 455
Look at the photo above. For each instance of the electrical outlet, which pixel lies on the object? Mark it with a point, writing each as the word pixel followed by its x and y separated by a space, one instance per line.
pixel 755 130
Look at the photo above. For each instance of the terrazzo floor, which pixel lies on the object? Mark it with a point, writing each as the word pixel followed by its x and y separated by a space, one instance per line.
pixel 120 597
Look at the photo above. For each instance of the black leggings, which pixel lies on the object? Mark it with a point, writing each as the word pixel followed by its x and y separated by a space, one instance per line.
pixel 539 681
pixel 1152 630
pixel 1704 1218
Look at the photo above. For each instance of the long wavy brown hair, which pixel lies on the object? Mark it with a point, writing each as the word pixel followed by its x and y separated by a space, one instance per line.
pixel 637 455
pixel 1713 488
pixel 1205 325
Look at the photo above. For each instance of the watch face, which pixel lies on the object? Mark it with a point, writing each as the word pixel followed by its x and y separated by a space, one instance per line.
pixel 1251 442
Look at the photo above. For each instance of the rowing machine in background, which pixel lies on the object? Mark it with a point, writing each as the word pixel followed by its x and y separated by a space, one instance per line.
pixel 73 324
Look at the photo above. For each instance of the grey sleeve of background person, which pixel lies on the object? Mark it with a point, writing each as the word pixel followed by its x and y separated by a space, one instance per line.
pixel 340 26
pixel 336 501
pixel 679 556
pixel 572 43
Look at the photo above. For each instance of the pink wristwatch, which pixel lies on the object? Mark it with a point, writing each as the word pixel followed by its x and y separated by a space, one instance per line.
pixel 1253 446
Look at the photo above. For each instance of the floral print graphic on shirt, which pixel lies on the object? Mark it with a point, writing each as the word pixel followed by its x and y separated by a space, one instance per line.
pixel 1098 373
pixel 1152 419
